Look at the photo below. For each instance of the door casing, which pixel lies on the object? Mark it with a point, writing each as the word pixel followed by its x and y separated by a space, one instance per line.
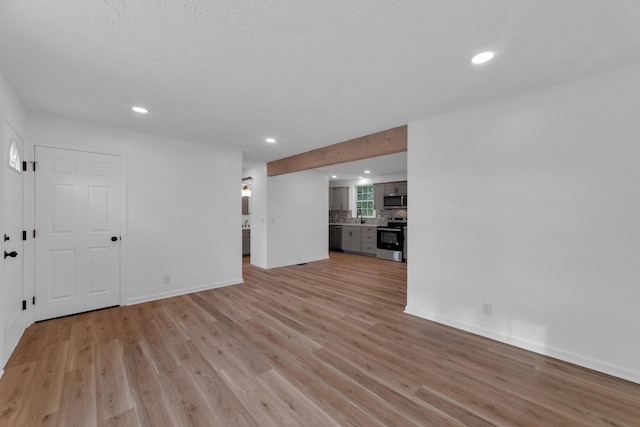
pixel 30 283
pixel 12 291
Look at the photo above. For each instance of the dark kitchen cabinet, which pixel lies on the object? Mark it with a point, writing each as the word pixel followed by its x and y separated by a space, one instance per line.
pixel 246 242
pixel 335 238
pixel 245 205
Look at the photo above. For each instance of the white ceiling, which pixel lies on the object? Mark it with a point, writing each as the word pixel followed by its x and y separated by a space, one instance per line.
pixel 309 73
pixel 391 164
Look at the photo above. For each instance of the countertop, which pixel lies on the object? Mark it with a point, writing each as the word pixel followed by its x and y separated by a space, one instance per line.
pixel 353 224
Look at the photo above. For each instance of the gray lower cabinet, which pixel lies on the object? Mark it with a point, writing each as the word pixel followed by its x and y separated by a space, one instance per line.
pixel 369 236
pixel 358 239
pixel 246 242
pixel 351 238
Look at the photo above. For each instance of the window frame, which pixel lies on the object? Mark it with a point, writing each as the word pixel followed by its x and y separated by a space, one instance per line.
pixel 371 200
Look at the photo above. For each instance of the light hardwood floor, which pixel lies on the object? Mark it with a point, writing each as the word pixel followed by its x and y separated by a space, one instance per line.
pixel 322 344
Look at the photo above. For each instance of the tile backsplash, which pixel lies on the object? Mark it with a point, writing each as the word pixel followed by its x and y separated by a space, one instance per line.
pixel 382 217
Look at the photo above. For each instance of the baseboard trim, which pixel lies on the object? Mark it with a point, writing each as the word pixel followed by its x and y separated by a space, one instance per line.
pixel 296 262
pixel 260 265
pixel 184 291
pixel 536 347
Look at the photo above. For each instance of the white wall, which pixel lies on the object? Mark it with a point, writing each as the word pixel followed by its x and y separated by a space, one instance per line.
pixel 297 218
pixel 12 113
pixel 183 204
pixel 532 204
pixel 368 181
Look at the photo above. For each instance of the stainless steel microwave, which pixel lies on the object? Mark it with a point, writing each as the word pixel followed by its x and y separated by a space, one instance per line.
pixel 395 202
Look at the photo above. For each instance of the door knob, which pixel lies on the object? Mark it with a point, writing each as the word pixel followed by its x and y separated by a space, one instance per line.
pixel 11 254
pixel 114 239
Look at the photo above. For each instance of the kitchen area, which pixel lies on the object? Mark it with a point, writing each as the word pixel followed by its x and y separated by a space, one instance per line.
pixel 366 213
pixel 246 216
pixel 369 218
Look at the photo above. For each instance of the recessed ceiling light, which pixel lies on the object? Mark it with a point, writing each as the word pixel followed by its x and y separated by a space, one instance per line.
pixel 359 177
pixel 334 176
pixel 482 57
pixel 140 110
pixel 270 140
pixel 367 171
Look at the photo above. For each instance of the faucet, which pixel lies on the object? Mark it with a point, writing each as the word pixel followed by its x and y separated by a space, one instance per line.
pixel 359 212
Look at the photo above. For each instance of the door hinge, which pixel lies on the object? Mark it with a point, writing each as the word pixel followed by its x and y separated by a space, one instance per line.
pixel 33 301
pixel 24 166
pixel 24 234
pixel 24 304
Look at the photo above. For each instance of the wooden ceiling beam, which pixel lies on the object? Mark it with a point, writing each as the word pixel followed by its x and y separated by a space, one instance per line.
pixel 390 141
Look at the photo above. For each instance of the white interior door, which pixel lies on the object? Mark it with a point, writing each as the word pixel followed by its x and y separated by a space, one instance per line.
pixel 77 219
pixel 13 212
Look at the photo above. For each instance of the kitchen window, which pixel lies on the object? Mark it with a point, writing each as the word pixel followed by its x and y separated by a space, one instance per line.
pixel 364 201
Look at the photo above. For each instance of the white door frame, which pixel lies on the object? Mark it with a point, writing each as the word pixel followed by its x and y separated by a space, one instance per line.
pixel 30 215
pixel 5 125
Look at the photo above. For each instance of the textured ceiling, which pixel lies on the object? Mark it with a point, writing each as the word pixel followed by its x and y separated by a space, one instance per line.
pixel 378 168
pixel 309 73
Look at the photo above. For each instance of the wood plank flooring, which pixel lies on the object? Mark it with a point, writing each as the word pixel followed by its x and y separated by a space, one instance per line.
pixel 321 344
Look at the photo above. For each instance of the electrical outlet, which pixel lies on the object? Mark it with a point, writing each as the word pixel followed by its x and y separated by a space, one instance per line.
pixel 166 279
pixel 487 309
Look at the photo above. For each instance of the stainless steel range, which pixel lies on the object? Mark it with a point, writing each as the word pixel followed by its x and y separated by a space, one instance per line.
pixel 390 244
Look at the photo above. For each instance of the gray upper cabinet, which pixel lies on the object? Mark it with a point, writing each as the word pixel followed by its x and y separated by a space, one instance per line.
pixel 379 190
pixel 395 188
pixel 339 198
pixel 403 187
pixel 378 196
